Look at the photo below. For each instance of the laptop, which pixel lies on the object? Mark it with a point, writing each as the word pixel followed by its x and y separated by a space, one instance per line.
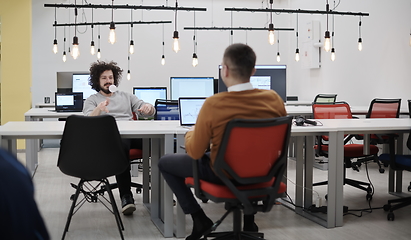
pixel 68 101
pixel 188 108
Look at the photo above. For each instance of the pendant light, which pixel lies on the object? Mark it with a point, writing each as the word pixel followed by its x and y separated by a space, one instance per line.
pixel 131 47
pixel 112 34
pixel 64 46
pixel 195 58
pixel 278 47
pixel 271 37
pixel 98 50
pixel 163 58
pixel 55 48
pixel 297 50
pixel 92 47
pixel 327 43
pixel 360 38
pixel 176 43
pixel 76 51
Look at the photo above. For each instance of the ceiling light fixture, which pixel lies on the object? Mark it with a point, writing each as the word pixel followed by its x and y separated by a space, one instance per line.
pixel 359 36
pixel 327 43
pixel 131 48
pixel 176 43
pixel 163 58
pixel 112 34
pixel 297 51
pixel 55 49
pixel 98 50
pixel 271 37
pixel 92 47
pixel 76 51
pixel 195 58
pixel 64 46
pixel 278 47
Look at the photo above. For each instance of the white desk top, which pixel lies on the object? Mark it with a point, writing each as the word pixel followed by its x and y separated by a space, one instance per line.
pixel 54 129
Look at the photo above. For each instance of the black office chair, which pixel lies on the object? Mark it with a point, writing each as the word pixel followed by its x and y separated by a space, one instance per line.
pixel 325 98
pixel 397 162
pixel 166 110
pixel 91 149
pixel 251 171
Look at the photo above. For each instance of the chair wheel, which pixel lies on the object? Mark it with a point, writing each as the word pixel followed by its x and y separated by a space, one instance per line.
pixel 390 216
pixel 368 197
pixel 409 188
pixel 369 190
pixel 387 207
pixel 382 170
pixel 138 190
pixel 204 200
pixel 326 196
pixel 72 197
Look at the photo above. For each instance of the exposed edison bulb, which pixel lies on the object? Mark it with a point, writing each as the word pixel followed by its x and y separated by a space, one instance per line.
pixel 128 75
pixel 75 52
pixel 278 57
pixel 333 54
pixel 112 34
pixel 55 49
pixel 92 48
pixel 327 41
pixel 360 44
pixel 131 48
pixel 297 55
pixel 64 56
pixel 98 54
pixel 271 37
pixel 176 43
pixel 163 60
pixel 195 60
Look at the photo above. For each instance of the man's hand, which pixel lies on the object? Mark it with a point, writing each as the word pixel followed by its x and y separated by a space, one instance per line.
pixel 146 109
pixel 103 105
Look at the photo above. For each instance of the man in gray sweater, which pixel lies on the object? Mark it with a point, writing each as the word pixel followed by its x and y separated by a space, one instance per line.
pixel 121 106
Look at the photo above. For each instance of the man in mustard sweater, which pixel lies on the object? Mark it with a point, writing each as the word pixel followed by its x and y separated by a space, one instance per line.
pixel 240 101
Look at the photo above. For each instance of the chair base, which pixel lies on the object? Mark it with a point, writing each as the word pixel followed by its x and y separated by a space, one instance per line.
pixel 92 194
pixel 400 203
pixel 354 183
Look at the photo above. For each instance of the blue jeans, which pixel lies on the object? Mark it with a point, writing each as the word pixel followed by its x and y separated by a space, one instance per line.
pixel 176 167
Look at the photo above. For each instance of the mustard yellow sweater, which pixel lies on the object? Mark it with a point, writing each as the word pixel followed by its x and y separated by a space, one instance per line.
pixel 220 108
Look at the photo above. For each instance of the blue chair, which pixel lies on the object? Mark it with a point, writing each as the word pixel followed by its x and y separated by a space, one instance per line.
pixel 397 162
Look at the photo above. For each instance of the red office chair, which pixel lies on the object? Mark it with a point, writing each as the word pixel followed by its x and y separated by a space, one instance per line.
pixel 250 163
pixel 341 110
pixel 380 108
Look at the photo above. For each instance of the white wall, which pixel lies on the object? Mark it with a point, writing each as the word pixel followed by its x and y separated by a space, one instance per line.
pixel 380 70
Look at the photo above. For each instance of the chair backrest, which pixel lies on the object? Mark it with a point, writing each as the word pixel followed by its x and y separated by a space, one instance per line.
pixel 253 151
pixel 166 109
pixel 325 98
pixel 337 110
pixel 91 148
pixel 384 108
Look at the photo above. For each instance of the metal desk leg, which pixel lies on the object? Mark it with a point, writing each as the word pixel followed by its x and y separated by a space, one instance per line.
pixel 168 193
pixel 146 170
pixel 181 217
pixel 299 173
pixel 308 171
pixel 335 179
pixel 31 155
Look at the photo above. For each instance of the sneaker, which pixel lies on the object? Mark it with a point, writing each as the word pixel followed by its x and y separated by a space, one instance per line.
pixel 127 203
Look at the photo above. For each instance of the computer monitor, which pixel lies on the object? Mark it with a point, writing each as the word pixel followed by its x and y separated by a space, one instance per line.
pixel 150 94
pixel 266 77
pixel 191 87
pixel 80 84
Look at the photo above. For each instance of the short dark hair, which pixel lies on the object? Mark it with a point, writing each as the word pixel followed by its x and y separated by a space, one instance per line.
pixel 240 59
pixel 97 68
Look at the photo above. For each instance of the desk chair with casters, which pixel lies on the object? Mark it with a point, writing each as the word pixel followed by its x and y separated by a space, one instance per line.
pixel 93 155
pixel 380 108
pixel 341 110
pixel 325 98
pixel 397 162
pixel 251 171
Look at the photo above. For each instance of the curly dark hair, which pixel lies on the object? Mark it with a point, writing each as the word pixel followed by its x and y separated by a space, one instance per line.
pixel 97 68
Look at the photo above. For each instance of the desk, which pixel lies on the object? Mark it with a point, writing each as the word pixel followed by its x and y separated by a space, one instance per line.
pixel 161 134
